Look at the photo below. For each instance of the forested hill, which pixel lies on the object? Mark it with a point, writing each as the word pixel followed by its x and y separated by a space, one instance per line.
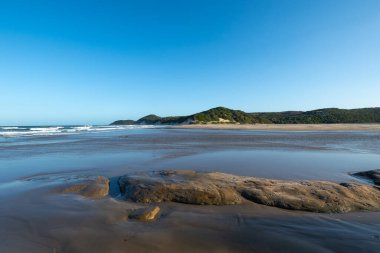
pixel 222 115
pixel 323 116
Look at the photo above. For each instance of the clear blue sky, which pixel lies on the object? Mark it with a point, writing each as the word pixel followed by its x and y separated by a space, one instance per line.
pixel 92 62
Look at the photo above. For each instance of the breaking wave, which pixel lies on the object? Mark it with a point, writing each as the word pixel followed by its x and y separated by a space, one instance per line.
pixel 16 131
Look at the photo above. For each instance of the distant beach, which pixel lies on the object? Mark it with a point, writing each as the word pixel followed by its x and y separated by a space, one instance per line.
pixel 287 127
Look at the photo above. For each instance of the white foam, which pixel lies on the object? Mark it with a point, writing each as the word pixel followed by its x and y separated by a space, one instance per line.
pixel 11 128
pixel 81 128
pixel 60 130
pixel 46 129
pixel 28 133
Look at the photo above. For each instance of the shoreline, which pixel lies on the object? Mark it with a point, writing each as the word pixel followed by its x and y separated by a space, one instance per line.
pixel 285 127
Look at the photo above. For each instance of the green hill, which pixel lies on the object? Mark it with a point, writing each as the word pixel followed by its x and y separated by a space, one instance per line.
pixel 156 120
pixel 323 116
pixel 124 122
pixel 222 115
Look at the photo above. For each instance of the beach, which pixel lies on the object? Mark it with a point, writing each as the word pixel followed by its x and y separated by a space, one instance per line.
pixel 287 127
pixel 36 217
pixel 190 126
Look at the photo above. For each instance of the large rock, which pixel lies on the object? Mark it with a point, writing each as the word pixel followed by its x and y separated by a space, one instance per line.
pixel 96 187
pixel 373 175
pixel 215 188
pixel 178 186
pixel 312 196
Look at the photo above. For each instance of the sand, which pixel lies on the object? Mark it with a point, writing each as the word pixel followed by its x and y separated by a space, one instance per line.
pixel 288 127
pixel 39 221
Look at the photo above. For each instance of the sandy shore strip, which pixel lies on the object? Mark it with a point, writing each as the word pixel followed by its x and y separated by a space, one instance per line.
pixel 287 127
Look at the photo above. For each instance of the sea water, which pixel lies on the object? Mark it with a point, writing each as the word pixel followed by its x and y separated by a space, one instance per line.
pixel 113 150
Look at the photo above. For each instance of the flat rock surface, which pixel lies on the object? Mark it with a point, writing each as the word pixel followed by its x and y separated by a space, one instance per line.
pixel 214 188
pixel 97 187
pixel 178 186
pixel 373 175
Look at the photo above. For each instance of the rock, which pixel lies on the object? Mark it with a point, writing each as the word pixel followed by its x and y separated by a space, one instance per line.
pixel 373 175
pixel 314 196
pixel 145 214
pixel 178 186
pixel 97 187
pixel 205 188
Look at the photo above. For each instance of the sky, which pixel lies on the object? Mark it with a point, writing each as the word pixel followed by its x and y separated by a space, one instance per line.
pixel 93 62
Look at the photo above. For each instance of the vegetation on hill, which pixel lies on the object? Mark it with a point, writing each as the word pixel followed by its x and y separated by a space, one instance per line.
pixel 150 119
pixel 156 120
pixel 220 115
pixel 323 116
pixel 224 115
pixel 124 122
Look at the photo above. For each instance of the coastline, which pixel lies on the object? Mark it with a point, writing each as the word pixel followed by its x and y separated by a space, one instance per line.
pixel 285 127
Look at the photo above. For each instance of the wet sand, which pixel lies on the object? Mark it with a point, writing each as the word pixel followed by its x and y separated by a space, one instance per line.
pixel 34 218
pixel 288 127
pixel 69 223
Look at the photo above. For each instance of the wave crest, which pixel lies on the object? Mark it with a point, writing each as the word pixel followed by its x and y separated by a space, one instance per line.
pixel 17 131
